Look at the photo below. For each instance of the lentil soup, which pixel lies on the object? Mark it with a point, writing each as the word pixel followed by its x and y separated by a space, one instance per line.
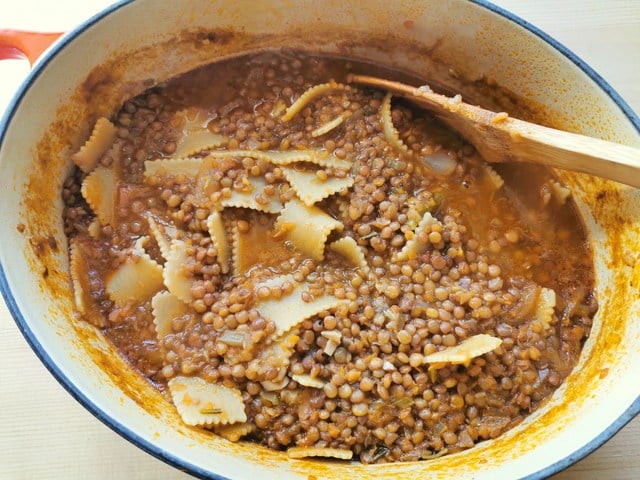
pixel 321 268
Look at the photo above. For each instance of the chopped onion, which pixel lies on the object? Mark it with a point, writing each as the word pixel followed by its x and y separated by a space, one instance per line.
pixel 387 366
pixel 330 347
pixel 440 162
pixel 234 339
pixel 290 397
pixel 401 402
pixel 269 398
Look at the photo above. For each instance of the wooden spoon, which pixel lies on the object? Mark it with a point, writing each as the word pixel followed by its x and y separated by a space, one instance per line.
pixel 499 138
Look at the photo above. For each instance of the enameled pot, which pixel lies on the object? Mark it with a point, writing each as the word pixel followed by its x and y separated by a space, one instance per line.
pixel 466 46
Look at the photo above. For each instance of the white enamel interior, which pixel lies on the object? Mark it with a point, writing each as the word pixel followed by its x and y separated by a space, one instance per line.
pixel 477 42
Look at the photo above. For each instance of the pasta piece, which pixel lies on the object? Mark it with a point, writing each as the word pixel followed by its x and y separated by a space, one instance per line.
pixel 276 281
pixel 137 279
pixel 196 137
pixel 466 350
pixel 545 308
pixel 174 273
pixel 414 246
pixel 101 138
pixel 304 452
pixel 163 234
pixel 219 237
pixel 247 199
pixel 308 381
pixel 166 307
pixel 287 312
pixel 235 431
pixel 307 227
pixel 205 404
pixel 244 253
pixel 198 141
pixel 390 132
pixel 351 251
pixel 559 192
pixel 494 177
pixel 277 158
pixel 99 190
pixel 327 127
pixel 324 159
pixel 310 188
pixel 317 157
pixel 79 272
pixel 309 95
pixel 278 353
pixel 172 167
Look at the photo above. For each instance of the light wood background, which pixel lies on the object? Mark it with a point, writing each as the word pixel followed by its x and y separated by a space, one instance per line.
pixel 45 434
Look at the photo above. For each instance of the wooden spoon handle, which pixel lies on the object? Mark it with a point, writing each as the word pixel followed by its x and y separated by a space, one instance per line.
pixel 570 151
pixel 502 139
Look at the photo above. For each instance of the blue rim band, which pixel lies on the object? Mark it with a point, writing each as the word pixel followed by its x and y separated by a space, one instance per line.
pixel 180 463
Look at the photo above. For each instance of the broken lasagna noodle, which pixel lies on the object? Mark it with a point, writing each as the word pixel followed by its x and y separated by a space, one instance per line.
pixel 271 248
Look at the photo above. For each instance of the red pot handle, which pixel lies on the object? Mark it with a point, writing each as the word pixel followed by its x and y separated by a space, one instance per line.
pixel 23 44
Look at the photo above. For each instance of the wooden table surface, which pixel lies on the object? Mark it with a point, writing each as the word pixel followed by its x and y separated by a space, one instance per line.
pixel 45 434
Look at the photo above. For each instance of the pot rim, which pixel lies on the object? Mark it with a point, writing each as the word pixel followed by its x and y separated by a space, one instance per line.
pixel 180 463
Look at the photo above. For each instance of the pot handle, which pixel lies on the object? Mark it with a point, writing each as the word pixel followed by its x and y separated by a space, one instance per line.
pixel 25 44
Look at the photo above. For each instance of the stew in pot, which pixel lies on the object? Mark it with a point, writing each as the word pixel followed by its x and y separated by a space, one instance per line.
pixel 322 268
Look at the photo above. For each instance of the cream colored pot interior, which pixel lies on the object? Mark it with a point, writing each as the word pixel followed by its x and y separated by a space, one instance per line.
pixel 457 43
